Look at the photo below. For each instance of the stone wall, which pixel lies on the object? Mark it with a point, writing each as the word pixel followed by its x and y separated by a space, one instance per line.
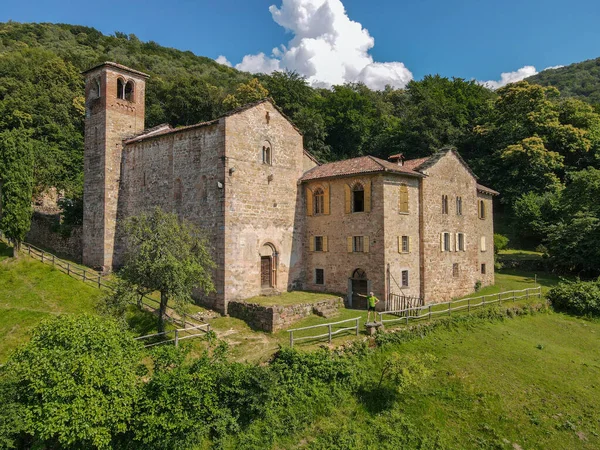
pixel 43 235
pixel 275 318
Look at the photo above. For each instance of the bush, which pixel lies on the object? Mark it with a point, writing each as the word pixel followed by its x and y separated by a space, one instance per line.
pixel 500 242
pixel 577 297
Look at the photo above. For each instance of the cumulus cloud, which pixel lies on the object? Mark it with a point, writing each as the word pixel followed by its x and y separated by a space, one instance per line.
pixel 553 67
pixel 511 77
pixel 327 47
pixel 223 60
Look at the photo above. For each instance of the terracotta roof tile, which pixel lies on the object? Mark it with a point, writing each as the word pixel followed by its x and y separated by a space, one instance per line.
pixel 487 190
pixel 363 164
pixel 117 66
pixel 412 164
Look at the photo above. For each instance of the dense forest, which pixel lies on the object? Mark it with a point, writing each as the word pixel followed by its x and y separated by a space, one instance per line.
pixel 539 148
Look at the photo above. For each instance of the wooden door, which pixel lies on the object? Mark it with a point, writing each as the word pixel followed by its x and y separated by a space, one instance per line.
pixel 265 271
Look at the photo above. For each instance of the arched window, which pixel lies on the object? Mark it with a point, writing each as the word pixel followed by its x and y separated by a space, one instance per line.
pixel 403 205
pixel 318 201
pixel 266 153
pixel 95 88
pixel 120 88
pixel 358 198
pixel 129 91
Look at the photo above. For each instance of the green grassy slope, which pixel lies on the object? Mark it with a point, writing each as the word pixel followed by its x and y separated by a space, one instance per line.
pixel 529 382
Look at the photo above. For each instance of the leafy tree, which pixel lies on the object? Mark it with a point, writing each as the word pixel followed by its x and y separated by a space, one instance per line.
pixel 167 255
pixel 249 92
pixel 75 383
pixel 16 183
pixel 289 90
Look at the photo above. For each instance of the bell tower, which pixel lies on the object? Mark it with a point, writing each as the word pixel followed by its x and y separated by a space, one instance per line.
pixel 114 111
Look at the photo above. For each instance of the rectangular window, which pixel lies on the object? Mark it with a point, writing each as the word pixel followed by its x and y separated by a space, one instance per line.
pixel 482 245
pixel 460 242
pixel 405 278
pixel 481 209
pixel 483 269
pixel 318 243
pixel 445 242
pixel 319 276
pixel 357 244
pixel 444 204
pixel 459 206
pixel 405 244
pixel 455 270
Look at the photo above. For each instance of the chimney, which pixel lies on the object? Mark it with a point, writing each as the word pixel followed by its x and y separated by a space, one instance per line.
pixel 398 159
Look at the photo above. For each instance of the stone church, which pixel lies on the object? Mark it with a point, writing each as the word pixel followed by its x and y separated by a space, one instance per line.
pixel 276 218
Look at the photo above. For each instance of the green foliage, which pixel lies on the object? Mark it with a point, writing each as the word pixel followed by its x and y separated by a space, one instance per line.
pixel 167 255
pixel 405 371
pixel 577 297
pixel 500 242
pixel 77 383
pixel 246 93
pixel 16 183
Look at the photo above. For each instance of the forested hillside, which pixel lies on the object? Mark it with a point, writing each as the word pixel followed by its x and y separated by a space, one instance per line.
pixel 581 80
pixel 524 140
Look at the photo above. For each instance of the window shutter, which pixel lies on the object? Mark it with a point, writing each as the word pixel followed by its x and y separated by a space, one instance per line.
pixel 368 196
pixel 464 242
pixel 483 243
pixel 348 196
pixel 403 206
pixel 442 242
pixel 349 242
pixel 311 244
pixel 326 200
pixel 456 242
pixel 309 202
pixel 408 237
pixel 325 248
pixel 366 244
pixel 399 244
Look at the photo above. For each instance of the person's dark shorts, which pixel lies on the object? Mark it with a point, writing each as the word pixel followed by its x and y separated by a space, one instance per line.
pixel 371 308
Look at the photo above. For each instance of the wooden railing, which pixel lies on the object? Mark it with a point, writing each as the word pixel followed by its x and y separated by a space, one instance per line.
pixel 447 308
pixel 330 334
pixel 179 334
pixel 397 302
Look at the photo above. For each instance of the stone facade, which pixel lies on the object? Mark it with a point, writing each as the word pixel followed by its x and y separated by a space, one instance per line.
pixel 247 181
pixel 43 234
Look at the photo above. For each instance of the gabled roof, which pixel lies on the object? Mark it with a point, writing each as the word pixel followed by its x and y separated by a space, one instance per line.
pixel 117 66
pixel 486 190
pixel 362 164
pixel 430 161
pixel 144 136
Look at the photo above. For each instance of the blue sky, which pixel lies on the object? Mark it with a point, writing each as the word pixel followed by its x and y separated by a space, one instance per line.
pixel 469 38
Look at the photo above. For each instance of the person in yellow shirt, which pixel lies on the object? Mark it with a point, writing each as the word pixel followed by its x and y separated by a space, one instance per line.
pixel 371 302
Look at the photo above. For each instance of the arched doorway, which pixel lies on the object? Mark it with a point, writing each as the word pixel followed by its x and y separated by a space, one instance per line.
pixel 268 266
pixel 360 286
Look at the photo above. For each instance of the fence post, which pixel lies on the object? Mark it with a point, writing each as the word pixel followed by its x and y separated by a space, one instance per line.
pixel 429 311
pixel 483 301
pixel 99 281
pixel 514 295
pixel 29 250
pixel 84 276
pixel 469 305
pixel 42 255
pixel 329 328
pixel 291 338
pixel 53 263
pixel 449 310
pixel 357 323
pixel 407 318
pixel 176 337
pixel 539 293
pixel 68 269
pixel 499 297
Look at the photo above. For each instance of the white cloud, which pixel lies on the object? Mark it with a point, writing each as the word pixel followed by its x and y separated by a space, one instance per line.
pixel 511 77
pixel 223 60
pixel 327 47
pixel 553 67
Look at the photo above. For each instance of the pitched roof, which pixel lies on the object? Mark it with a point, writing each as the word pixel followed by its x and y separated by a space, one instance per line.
pixel 413 164
pixel 143 136
pixel 117 66
pixel 362 164
pixel 486 190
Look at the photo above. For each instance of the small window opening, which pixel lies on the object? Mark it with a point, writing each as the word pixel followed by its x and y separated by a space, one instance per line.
pixel 358 198
pixel 446 242
pixel 266 154
pixel 483 269
pixel 319 197
pixel 455 270
pixel 405 278
pixel 319 276
pixel 459 206
pixel 444 204
pixel 405 247
pixel 120 89
pixel 357 244
pixel 481 209
pixel 129 91
pixel 461 242
pixel 318 243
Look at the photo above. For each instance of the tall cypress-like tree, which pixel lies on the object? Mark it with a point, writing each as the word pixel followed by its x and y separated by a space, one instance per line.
pixel 16 185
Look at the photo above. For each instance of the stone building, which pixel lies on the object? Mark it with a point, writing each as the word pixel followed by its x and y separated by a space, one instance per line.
pixel 276 218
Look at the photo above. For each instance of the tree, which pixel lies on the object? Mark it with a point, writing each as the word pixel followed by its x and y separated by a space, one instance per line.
pixel 167 255
pixel 249 92
pixel 16 184
pixel 75 383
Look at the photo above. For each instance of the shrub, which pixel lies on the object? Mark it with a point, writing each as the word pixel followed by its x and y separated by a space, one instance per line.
pixel 500 242
pixel 577 297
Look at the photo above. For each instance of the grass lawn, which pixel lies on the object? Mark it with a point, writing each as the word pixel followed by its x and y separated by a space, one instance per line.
pixel 291 298
pixel 524 383
pixel 522 255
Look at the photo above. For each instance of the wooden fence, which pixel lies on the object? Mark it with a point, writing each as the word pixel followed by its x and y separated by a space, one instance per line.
pixel 179 334
pixel 446 308
pixel 329 333
pixel 94 278
pixel 396 302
